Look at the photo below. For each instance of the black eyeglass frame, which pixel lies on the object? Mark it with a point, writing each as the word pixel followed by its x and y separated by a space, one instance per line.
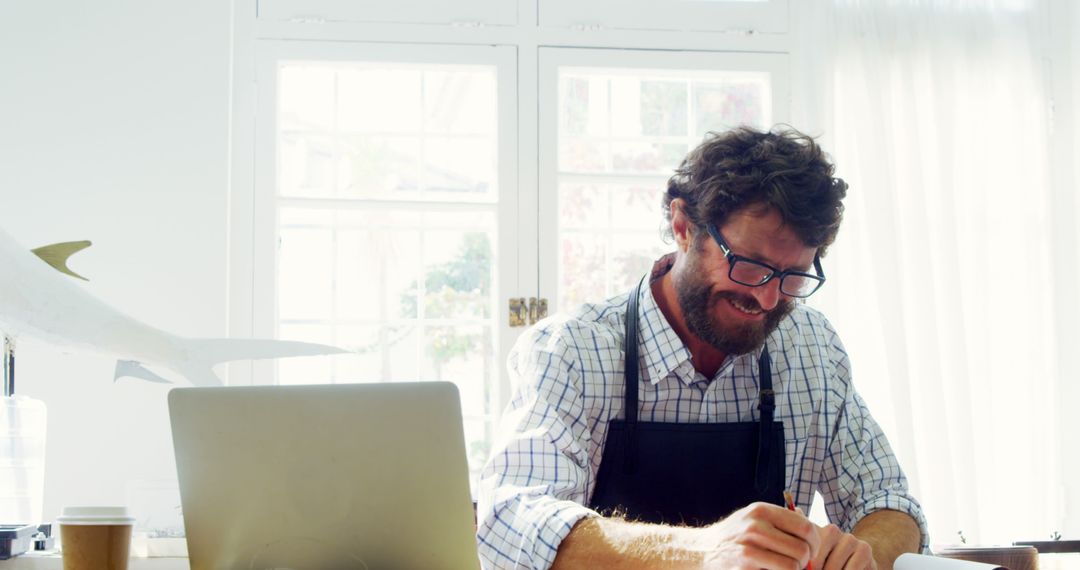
pixel 732 258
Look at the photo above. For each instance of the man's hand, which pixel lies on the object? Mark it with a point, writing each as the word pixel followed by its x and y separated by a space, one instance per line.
pixel 760 536
pixel 842 551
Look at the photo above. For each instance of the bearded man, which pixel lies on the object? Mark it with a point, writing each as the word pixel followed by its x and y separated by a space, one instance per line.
pixel 661 428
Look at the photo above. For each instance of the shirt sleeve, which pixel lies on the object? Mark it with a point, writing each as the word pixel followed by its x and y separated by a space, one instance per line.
pixel 861 473
pixel 534 486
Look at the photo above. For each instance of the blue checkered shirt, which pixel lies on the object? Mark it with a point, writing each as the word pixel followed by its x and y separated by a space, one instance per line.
pixel 568 385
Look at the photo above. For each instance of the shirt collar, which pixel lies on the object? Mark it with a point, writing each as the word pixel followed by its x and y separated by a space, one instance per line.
pixel 663 352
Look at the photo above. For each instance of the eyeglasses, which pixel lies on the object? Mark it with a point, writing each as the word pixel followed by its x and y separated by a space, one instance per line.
pixel 753 273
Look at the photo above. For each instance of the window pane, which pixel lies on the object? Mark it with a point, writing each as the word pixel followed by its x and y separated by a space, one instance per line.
pixel 409 292
pixel 581 267
pixel 583 206
pixel 722 105
pixel 583 155
pixel 584 108
pixel 380 100
pixel 364 261
pixel 459 168
pixel 664 108
pixel 310 369
pixel 637 208
pixel 457 275
pixel 377 274
pixel 622 132
pixel 460 101
pixel 478 437
pixel 646 157
pixel 306 98
pixel 305 259
pixel 377 266
pixel 379 167
pixel 387 131
pixel 459 354
pixel 632 255
pixel 306 165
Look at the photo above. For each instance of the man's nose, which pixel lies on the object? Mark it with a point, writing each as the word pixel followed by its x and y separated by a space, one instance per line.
pixel 768 295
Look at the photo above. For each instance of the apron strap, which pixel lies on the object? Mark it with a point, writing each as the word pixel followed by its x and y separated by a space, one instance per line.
pixel 767 404
pixel 630 364
pixel 766 398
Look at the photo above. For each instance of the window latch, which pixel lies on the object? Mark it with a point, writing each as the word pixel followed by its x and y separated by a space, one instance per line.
pixel 524 313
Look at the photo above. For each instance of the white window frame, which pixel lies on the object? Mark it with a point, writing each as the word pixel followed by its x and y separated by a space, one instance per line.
pixel 740 16
pixel 769 16
pixel 463 12
pixel 265 200
pixel 552 59
pixel 255 27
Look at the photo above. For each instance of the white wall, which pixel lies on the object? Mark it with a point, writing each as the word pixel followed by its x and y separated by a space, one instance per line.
pixel 114 128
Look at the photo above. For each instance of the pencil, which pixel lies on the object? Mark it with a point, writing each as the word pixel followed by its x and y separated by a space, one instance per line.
pixel 791 507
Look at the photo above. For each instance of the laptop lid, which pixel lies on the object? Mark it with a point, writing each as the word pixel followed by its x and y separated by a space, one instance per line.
pixel 335 476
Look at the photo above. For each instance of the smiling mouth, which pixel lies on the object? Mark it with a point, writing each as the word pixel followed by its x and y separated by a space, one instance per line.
pixel 744 309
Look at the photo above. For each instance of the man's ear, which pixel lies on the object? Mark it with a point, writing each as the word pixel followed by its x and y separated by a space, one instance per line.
pixel 681 226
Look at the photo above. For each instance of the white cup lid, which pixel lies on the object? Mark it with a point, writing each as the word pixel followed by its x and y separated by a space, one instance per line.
pixel 95 515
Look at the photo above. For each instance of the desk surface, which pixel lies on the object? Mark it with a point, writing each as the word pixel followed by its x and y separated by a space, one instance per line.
pixel 52 561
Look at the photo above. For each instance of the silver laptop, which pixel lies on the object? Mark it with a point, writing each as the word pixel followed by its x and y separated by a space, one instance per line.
pixel 369 476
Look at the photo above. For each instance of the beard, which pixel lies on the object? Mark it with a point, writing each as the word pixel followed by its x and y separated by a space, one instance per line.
pixel 698 304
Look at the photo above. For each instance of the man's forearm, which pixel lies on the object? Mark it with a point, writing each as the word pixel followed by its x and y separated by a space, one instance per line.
pixel 890 533
pixel 759 535
pixel 617 544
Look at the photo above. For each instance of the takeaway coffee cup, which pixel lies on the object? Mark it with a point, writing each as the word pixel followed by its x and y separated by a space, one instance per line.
pixel 95 538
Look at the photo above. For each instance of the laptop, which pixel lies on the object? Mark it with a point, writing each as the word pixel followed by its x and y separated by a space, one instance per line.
pixel 370 476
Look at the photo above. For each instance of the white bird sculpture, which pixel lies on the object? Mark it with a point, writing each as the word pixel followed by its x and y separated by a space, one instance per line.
pixel 35 300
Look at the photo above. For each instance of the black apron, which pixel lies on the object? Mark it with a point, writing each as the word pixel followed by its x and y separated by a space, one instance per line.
pixel 692 474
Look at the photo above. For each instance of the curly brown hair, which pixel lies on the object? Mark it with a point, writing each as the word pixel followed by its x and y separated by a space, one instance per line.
pixel 781 169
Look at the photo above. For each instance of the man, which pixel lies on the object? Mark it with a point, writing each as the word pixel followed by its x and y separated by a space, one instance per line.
pixel 659 429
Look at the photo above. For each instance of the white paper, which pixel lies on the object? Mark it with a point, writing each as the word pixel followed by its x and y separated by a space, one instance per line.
pixel 910 561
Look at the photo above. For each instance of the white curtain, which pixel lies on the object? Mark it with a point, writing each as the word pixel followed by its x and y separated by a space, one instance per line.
pixel 941 282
